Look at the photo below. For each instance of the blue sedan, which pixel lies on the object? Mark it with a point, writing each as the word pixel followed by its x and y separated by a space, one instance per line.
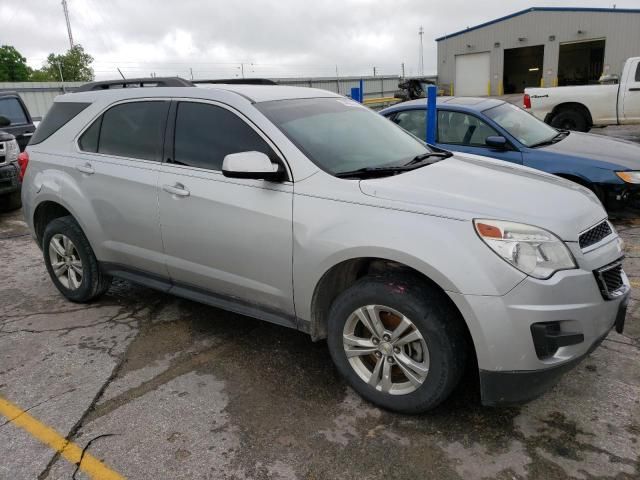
pixel 497 129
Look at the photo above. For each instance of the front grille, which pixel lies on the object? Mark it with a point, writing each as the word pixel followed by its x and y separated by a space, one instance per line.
pixel 610 280
pixel 595 234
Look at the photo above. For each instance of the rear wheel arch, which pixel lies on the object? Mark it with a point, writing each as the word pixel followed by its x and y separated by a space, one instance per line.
pixel 44 214
pixel 574 107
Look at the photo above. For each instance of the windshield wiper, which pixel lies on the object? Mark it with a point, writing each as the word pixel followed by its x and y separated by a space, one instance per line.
pixel 418 161
pixel 370 172
pixel 424 156
pixel 555 139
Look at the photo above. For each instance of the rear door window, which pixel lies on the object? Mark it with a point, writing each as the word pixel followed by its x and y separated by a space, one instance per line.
pixel 205 134
pixel 133 130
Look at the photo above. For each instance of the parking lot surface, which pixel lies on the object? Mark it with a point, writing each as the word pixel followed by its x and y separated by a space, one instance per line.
pixel 155 387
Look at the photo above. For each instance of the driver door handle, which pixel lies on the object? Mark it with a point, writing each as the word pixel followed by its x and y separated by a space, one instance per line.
pixel 177 189
pixel 85 168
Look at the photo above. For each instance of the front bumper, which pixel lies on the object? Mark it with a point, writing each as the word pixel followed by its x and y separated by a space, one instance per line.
pixel 9 182
pixel 511 369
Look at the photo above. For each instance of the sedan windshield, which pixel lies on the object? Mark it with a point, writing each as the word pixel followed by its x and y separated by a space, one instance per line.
pixel 340 135
pixel 522 125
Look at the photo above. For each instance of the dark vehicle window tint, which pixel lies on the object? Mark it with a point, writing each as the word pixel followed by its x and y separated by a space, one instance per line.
pixel 462 129
pixel 11 108
pixel 58 115
pixel 638 73
pixel 88 142
pixel 205 134
pixel 413 121
pixel 134 130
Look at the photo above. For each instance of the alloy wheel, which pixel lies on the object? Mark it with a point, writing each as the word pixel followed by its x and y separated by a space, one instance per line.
pixel 386 349
pixel 65 261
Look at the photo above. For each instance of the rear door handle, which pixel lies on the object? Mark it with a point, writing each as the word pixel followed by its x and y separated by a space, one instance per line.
pixel 177 189
pixel 86 168
pixel 634 89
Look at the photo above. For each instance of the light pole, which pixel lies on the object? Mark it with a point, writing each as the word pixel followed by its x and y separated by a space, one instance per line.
pixel 66 16
pixel 421 59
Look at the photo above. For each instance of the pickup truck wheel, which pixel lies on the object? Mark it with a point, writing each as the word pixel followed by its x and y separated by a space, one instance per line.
pixel 570 120
pixel 71 263
pixel 397 342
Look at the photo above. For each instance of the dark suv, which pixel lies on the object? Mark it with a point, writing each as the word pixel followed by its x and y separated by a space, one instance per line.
pixel 16 129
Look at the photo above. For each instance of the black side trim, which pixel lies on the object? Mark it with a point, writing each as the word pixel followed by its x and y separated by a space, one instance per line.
pixel 518 386
pixel 198 294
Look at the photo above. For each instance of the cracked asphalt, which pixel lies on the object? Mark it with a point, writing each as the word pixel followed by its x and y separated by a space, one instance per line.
pixel 164 388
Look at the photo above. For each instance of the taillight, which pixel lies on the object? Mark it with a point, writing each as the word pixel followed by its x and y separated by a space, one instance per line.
pixel 23 161
pixel 527 101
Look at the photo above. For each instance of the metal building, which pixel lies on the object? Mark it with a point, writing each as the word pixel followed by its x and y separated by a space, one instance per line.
pixel 549 46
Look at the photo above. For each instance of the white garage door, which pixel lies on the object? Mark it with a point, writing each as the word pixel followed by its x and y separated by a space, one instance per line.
pixel 472 74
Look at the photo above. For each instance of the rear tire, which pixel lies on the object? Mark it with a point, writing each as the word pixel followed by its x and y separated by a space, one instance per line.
pixel 71 263
pixel 570 119
pixel 377 361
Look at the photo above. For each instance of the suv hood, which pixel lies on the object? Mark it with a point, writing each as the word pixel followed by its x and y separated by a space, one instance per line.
pixel 598 147
pixel 469 186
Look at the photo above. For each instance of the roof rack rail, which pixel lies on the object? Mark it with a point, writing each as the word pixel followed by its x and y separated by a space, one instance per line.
pixel 239 81
pixel 135 83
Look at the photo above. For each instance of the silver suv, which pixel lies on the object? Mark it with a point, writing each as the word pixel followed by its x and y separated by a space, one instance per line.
pixel 308 210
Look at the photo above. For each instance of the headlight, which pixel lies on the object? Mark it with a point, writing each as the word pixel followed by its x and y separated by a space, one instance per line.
pixel 629 177
pixel 531 250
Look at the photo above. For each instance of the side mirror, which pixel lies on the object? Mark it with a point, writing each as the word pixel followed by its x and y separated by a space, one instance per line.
pixel 497 142
pixel 4 121
pixel 255 165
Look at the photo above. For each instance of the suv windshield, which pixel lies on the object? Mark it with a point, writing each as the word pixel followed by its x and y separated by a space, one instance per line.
pixel 522 125
pixel 340 135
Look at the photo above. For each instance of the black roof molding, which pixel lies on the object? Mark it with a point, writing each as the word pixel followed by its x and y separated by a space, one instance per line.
pixel 135 83
pixel 239 81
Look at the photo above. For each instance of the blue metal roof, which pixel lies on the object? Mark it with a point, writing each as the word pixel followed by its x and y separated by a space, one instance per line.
pixel 541 9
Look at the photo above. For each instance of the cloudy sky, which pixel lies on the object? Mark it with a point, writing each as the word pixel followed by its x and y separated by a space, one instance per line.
pixel 272 38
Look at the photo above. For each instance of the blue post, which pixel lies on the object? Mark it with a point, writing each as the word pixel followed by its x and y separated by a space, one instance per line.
pixel 355 94
pixel 432 117
pixel 361 100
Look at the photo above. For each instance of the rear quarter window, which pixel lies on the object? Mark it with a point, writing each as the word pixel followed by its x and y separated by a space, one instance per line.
pixel 57 116
pixel 11 108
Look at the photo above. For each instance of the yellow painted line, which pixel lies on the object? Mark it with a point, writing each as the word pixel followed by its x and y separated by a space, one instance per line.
pixel 68 450
pixel 634 283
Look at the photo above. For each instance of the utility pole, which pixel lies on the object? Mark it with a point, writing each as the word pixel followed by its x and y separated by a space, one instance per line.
pixel 242 69
pixel 402 70
pixel 191 72
pixel 421 59
pixel 374 71
pixel 66 16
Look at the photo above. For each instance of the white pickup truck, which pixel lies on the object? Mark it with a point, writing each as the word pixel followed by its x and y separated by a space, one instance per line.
pixel 582 107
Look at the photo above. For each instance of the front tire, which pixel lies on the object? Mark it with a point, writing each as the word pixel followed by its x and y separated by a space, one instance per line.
pixel 398 342
pixel 71 263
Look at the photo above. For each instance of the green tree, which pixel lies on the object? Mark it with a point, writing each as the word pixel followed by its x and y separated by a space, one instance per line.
pixel 13 66
pixel 75 66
